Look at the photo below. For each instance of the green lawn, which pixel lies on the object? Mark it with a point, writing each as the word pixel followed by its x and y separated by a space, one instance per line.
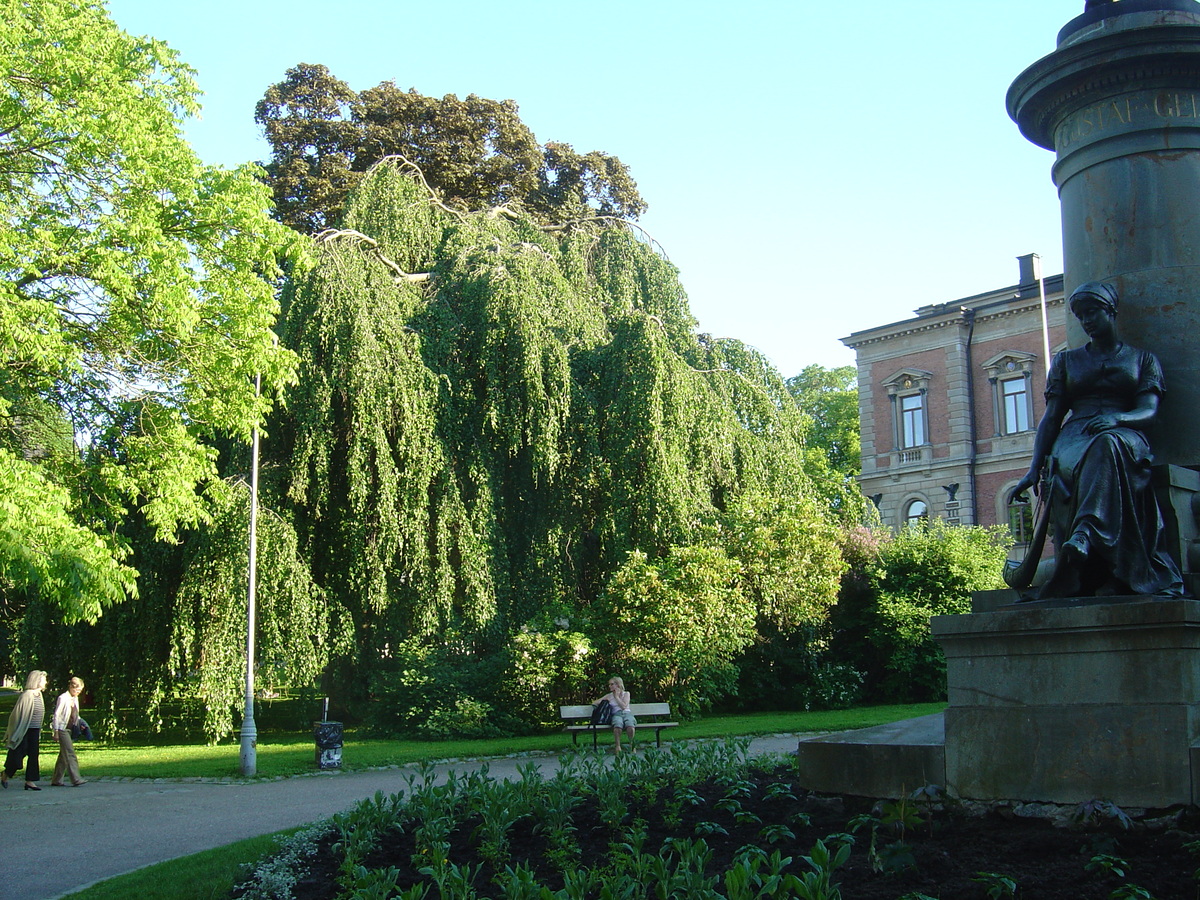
pixel 281 754
pixel 207 875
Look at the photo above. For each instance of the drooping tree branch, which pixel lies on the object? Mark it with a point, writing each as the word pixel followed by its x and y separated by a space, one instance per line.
pixel 332 234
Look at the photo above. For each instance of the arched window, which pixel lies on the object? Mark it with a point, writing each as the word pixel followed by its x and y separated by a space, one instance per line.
pixel 916 512
pixel 1020 521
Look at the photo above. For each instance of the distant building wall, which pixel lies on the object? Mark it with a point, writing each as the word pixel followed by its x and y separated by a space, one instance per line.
pixel 949 401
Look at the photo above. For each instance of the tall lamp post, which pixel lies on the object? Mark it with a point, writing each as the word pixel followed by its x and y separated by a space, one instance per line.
pixel 249 734
pixel 1037 273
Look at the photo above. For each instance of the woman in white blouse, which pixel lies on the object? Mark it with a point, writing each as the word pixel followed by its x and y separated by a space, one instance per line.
pixel 621 716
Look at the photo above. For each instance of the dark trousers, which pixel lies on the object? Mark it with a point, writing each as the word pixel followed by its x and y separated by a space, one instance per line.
pixel 25 752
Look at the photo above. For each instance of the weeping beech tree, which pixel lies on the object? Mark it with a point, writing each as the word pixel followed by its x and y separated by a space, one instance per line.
pixel 507 461
pixel 491 416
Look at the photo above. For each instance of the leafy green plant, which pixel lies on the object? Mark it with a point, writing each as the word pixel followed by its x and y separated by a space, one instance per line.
pixel 932 797
pixel 672 815
pixel 1094 813
pixel 1107 864
pixel 996 886
pixel 755 876
pixel 780 790
pixel 610 789
pixel 738 787
pixel 555 820
pixel 896 583
pixel 777 833
pixel 894 819
pixel 1193 847
pixel 728 804
pixel 518 884
pixel 900 815
pixel 453 880
pixel 818 884
pixel 1131 892
pixel 497 818
pixel 374 884
pixel 688 878
pixel 893 857
pixel 360 829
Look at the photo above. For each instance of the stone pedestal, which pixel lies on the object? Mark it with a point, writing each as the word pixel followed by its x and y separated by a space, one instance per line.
pixel 1074 701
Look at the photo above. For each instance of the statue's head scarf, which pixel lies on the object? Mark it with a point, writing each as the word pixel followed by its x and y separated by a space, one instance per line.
pixel 1101 292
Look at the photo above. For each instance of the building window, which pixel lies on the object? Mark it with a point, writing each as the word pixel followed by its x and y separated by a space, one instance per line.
pixel 1011 376
pixel 916 512
pixel 1015 399
pixel 912 421
pixel 907 392
pixel 1020 521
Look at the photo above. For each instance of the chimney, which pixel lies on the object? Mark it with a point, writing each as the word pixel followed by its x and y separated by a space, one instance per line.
pixel 1031 269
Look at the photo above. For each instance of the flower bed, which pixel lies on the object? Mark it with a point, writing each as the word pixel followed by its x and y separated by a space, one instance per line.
pixel 703 821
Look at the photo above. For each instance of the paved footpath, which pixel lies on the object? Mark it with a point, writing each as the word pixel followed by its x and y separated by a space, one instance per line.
pixel 60 840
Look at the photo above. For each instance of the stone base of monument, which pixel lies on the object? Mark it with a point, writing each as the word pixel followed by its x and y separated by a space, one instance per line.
pixel 1067 701
pixel 1056 701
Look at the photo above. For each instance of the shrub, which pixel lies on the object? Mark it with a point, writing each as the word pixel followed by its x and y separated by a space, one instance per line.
pixel 547 669
pixel 795 671
pixel 894 584
pixel 673 627
pixel 436 691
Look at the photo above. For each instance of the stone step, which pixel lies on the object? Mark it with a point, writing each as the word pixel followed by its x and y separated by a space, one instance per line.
pixel 890 760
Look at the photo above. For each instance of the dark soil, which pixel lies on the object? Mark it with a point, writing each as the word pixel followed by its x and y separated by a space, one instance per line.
pixel 948 849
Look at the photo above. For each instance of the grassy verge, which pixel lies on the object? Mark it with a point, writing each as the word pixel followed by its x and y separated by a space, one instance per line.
pixel 202 876
pixel 292 754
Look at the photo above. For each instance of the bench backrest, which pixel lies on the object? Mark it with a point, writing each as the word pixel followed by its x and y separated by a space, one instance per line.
pixel 638 709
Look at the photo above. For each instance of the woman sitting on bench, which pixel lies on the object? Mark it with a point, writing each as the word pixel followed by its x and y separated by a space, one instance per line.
pixel 621 716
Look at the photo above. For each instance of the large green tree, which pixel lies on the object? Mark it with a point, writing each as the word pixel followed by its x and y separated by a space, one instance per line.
pixel 475 153
pixel 830 398
pixel 502 428
pixel 136 304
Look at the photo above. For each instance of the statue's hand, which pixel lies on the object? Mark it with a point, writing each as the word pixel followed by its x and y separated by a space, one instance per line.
pixel 1101 423
pixel 1030 480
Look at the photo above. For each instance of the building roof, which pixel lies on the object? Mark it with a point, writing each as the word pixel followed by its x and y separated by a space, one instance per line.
pixel 992 304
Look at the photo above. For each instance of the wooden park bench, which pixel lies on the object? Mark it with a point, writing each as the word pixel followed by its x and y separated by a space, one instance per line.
pixel 648 715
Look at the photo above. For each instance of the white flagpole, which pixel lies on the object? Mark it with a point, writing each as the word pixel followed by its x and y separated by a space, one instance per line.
pixel 249 735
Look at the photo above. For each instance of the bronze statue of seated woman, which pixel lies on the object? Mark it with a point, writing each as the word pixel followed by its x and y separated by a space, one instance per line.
pixel 1091 465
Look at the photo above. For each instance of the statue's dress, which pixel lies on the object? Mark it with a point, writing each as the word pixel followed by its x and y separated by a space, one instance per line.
pixel 1100 483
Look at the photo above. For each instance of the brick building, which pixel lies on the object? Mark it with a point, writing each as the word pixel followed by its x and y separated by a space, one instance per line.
pixel 949 401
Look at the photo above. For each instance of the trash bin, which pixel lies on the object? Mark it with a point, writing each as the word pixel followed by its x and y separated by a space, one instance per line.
pixel 328 736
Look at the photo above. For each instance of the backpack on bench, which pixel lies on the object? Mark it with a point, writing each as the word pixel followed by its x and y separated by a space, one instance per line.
pixel 602 714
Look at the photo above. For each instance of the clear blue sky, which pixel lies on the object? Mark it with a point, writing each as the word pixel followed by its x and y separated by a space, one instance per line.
pixel 813 169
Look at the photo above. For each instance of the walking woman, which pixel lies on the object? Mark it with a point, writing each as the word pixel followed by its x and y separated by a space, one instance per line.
pixel 24 730
pixel 66 716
